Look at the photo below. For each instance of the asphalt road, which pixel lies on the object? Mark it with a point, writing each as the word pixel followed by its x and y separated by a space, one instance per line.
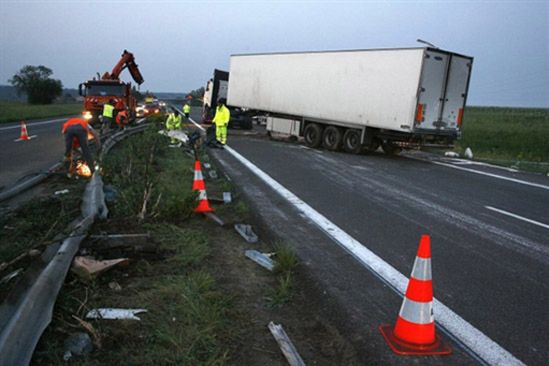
pixel 489 232
pixel 19 159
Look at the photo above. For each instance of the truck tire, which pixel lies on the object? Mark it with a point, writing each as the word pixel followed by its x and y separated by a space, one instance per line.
pixel 331 138
pixel 312 135
pixel 351 141
pixel 390 149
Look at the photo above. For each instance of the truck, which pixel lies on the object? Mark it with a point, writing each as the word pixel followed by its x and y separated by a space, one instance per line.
pixel 356 100
pixel 216 88
pixel 97 92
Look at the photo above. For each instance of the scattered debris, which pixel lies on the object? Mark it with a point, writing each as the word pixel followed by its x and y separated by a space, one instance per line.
pixel 58 193
pixel 88 267
pixel 246 232
pixel 77 344
pixel 207 165
pixel 468 153
pixel 262 259
pixel 286 345
pixel 115 286
pixel 451 154
pixel 9 276
pixel 91 330
pixel 215 218
pixel 113 313
pixel 227 197
pixel 213 174
pixel 120 236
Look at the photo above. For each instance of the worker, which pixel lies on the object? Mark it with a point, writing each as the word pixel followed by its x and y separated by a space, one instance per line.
pixel 221 121
pixel 186 110
pixel 122 118
pixel 108 111
pixel 76 135
pixel 173 123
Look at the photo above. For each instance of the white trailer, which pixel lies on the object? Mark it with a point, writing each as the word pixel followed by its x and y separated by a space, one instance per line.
pixel 355 100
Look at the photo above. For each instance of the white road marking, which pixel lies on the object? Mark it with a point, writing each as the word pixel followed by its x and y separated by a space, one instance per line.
pixel 493 175
pixel 30 138
pixel 474 339
pixel 517 216
pixel 35 124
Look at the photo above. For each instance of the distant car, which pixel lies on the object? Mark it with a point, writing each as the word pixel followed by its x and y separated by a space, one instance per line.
pixel 140 111
pixel 151 109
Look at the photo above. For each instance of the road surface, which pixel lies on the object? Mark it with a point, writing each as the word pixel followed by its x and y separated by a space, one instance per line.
pixel 489 229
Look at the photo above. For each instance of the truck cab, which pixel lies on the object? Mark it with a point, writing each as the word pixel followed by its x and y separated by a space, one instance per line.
pixel 98 92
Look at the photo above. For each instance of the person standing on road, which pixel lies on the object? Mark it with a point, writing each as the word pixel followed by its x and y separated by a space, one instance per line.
pixel 76 135
pixel 221 121
pixel 173 123
pixel 186 109
pixel 108 112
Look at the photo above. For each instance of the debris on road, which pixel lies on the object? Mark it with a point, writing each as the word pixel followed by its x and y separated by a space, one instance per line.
pixel 227 197
pixel 451 154
pixel 88 267
pixel 246 232
pixel 11 275
pixel 120 236
pixel 286 345
pixel 115 314
pixel 63 191
pixel 468 153
pixel 260 258
pixel 77 344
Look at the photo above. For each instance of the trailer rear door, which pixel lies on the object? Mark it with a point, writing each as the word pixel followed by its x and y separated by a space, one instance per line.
pixel 444 84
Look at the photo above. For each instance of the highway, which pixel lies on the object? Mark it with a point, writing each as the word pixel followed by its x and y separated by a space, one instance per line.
pixel 22 158
pixel 489 231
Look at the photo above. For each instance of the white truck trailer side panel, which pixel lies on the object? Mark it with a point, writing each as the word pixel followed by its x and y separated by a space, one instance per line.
pixel 376 88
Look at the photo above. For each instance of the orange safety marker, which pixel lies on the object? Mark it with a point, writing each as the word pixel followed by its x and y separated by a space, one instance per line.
pixel 198 185
pixel 414 332
pixel 24 135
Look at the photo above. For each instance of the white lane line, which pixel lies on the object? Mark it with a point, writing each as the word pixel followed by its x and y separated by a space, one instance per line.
pixel 517 217
pixel 35 123
pixel 492 175
pixel 488 350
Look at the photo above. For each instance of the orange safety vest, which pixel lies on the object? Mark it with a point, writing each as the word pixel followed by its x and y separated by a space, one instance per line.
pixel 120 115
pixel 72 122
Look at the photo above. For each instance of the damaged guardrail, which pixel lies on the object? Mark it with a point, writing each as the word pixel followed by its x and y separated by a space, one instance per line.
pixel 28 309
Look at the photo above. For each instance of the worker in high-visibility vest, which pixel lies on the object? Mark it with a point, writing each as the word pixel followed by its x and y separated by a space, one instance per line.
pixel 76 136
pixel 221 121
pixel 186 110
pixel 108 114
pixel 173 123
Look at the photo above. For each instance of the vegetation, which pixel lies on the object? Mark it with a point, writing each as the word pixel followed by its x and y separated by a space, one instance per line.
pixel 35 81
pixel 511 135
pixel 17 111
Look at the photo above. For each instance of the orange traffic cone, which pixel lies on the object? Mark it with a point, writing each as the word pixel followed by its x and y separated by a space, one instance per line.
pixel 414 332
pixel 198 185
pixel 24 134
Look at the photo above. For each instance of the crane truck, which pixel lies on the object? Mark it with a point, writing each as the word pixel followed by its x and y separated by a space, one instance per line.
pixel 356 100
pixel 97 92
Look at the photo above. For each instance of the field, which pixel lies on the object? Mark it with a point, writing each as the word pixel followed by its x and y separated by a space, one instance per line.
pixel 508 136
pixel 16 111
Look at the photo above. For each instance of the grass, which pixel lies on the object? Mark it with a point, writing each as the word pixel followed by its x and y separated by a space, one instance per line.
pixel 11 111
pixel 509 135
pixel 285 264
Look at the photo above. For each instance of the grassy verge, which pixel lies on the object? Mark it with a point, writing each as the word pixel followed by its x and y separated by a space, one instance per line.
pixel 510 136
pixel 16 111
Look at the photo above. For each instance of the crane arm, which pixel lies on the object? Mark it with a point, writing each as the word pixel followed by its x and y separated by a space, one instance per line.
pixel 126 60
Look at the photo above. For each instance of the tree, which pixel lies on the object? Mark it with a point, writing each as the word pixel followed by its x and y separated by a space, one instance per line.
pixel 35 81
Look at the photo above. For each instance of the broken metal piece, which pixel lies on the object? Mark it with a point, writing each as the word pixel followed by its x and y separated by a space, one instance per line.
pixel 260 258
pixel 286 345
pixel 9 276
pixel 227 197
pixel 215 218
pixel 246 232
pixel 63 191
pixel 115 314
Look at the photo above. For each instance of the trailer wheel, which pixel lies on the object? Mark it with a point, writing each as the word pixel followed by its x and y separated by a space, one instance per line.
pixel 331 138
pixel 312 135
pixel 351 141
pixel 390 149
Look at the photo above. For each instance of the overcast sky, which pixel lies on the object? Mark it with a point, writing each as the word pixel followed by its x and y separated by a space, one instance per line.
pixel 178 44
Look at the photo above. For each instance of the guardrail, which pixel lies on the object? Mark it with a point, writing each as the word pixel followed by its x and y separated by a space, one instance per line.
pixel 28 309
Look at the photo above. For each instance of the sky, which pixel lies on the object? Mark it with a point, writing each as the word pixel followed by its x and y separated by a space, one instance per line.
pixel 177 44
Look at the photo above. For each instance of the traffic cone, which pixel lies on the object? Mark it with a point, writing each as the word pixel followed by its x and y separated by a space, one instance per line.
pixel 414 332
pixel 24 135
pixel 198 185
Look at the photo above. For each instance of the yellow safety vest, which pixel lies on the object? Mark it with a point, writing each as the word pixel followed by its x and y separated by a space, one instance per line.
pixel 107 110
pixel 186 108
pixel 222 116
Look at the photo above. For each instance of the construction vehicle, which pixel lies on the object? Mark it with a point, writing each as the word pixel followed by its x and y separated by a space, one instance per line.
pixel 356 100
pixel 97 92
pixel 216 88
